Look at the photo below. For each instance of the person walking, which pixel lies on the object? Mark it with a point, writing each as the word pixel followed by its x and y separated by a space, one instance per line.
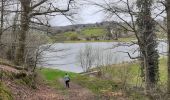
pixel 67 80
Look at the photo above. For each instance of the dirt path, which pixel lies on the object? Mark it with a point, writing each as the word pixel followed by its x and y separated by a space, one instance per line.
pixel 43 91
pixel 23 92
pixel 77 92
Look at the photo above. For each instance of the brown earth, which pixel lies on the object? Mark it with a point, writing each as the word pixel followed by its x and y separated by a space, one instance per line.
pixel 43 91
pixel 77 92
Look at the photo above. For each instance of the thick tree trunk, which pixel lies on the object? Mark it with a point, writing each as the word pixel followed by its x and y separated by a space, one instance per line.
pixel 150 81
pixel 168 27
pixel 19 60
pixel 148 44
pixel 147 81
pixel 2 19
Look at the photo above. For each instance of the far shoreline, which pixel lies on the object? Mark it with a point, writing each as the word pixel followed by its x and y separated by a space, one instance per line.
pixel 87 41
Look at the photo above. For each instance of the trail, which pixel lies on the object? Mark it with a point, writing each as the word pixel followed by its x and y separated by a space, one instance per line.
pixel 43 91
pixel 77 92
pixel 24 92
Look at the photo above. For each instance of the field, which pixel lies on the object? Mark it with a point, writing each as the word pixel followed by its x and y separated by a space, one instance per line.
pixel 119 76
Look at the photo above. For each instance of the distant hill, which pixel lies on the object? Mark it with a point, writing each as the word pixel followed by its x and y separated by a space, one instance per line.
pixel 62 29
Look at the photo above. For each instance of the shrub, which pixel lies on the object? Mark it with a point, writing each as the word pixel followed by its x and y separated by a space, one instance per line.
pixel 73 36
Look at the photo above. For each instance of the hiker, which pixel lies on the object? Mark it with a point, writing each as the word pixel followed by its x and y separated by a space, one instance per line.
pixel 67 80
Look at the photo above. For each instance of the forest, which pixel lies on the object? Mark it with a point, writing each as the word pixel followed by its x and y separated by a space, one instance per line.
pixel 84 50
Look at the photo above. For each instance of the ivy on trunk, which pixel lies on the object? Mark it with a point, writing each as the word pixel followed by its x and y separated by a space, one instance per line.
pixel 148 44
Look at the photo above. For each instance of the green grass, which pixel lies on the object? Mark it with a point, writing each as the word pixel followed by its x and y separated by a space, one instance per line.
pixel 127 72
pixel 87 41
pixel 121 74
pixel 101 86
pixel 52 77
pixel 89 32
pixel 163 70
pixel 96 85
pixel 52 74
pixel 130 72
pixel 4 93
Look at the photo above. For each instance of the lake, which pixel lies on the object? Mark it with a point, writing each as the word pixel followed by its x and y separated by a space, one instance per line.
pixel 66 56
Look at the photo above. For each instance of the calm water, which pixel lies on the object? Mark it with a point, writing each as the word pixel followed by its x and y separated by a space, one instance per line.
pixel 64 56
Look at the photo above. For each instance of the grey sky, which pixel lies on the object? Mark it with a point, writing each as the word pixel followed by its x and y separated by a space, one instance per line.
pixel 86 14
pixel 90 14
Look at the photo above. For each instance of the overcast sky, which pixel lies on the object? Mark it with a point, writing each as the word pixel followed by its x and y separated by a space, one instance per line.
pixel 85 14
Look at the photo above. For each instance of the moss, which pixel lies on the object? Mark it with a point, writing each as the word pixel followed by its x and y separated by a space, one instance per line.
pixel 4 93
pixel 28 80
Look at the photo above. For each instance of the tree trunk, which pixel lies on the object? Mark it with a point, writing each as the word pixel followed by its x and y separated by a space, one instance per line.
pixel 148 83
pixel 148 44
pixel 19 60
pixel 2 19
pixel 168 27
pixel 12 48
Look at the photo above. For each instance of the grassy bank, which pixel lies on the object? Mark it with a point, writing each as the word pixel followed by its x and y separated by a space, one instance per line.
pixel 52 77
pixel 116 78
pixel 87 41
pixel 97 85
pixel 131 72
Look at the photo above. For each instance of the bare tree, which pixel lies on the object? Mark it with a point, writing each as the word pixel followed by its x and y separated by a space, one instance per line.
pixel 99 58
pixel 86 58
pixel 31 9
pixel 3 14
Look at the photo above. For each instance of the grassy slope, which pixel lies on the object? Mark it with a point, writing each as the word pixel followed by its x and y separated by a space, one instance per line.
pixel 129 73
pixel 88 32
pixel 96 85
pixel 119 40
pixel 4 93
pixel 52 77
pixel 92 32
